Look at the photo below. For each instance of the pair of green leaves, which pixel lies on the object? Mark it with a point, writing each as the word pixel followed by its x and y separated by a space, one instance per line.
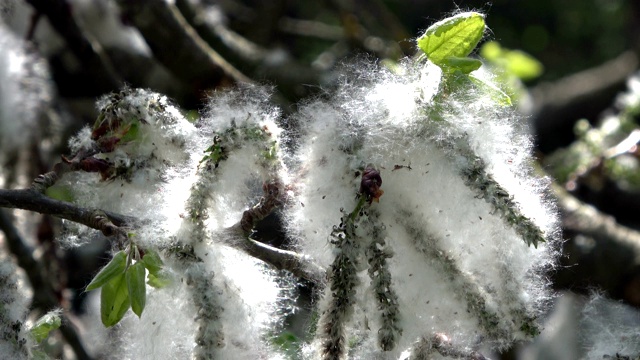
pixel 448 44
pixel 123 286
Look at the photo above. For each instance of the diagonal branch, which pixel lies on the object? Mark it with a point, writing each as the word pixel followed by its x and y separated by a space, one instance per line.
pixel 110 223
pixel 32 200
pixel 298 264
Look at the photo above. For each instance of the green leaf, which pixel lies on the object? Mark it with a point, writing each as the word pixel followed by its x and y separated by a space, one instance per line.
pixel 49 322
pixel 523 65
pixel 158 280
pixel 287 342
pixel 137 287
pixel 456 36
pixel 152 262
pixel 514 62
pixel 114 268
pixel 60 192
pixel 496 94
pixel 132 132
pixel 491 51
pixel 464 65
pixel 114 300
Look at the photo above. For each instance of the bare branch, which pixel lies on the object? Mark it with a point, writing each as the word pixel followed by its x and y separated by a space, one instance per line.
pixel 32 200
pixel 266 206
pixel 588 221
pixel 177 45
pixel 110 223
pixel 253 59
pixel 557 105
pixel 299 265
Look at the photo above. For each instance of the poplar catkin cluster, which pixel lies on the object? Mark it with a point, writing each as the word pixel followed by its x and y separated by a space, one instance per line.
pixel 411 188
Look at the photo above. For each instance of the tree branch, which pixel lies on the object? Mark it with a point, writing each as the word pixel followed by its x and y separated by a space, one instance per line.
pixel 32 200
pixel 600 252
pixel 299 265
pixel 294 79
pixel 177 45
pixel 557 105
pixel 588 221
pixel 110 223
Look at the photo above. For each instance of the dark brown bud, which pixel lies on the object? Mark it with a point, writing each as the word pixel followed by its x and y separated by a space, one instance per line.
pixel 370 184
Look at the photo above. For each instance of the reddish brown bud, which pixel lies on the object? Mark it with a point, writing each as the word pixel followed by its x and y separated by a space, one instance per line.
pixel 370 184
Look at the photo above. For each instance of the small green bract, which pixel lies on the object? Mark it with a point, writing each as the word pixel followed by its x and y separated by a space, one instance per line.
pixel 45 325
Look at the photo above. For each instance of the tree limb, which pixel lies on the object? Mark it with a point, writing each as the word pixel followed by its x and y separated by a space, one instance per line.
pixel 299 265
pixel 110 223
pixel 295 80
pixel 600 252
pixel 177 45
pixel 32 200
pixel 585 94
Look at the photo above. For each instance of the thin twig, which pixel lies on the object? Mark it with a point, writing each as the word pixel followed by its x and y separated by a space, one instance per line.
pixel 300 265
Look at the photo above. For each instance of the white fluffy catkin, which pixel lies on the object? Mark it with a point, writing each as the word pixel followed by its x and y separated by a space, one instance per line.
pixel 192 183
pixel 460 204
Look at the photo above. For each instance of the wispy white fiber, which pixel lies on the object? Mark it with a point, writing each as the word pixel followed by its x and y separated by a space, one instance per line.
pixel 14 306
pixel 25 91
pixel 458 266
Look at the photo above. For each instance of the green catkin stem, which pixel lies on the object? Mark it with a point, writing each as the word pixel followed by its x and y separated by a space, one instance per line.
pixel 205 293
pixel 441 344
pixel 465 287
pixel 209 335
pixel 476 177
pixel 377 253
pixel 343 279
